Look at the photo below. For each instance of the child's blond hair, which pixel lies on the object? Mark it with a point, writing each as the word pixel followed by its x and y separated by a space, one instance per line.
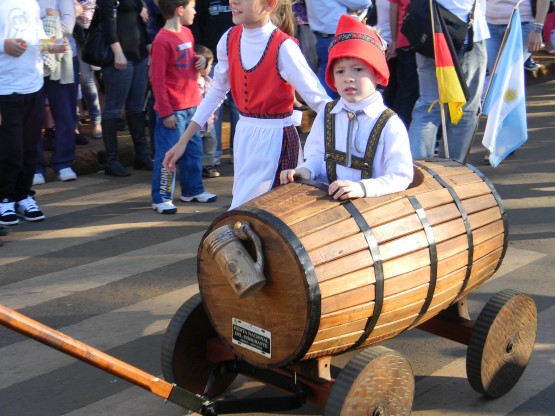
pixel 282 17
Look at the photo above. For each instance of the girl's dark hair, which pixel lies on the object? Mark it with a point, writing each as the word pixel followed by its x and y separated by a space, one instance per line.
pixel 282 17
pixel 167 7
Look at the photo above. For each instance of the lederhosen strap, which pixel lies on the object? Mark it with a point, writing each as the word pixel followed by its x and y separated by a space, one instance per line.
pixel 334 157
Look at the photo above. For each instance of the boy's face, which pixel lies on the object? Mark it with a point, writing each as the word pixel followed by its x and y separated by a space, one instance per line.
pixel 188 13
pixel 354 79
pixel 207 70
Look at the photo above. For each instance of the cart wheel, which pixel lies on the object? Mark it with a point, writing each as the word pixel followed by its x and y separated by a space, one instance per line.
pixel 376 382
pixel 184 351
pixel 501 343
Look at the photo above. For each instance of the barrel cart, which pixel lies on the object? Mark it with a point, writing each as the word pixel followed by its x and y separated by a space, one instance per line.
pixel 293 278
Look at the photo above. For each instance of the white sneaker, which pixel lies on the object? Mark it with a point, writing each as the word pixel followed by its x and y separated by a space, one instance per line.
pixel 29 210
pixel 166 207
pixel 7 213
pixel 38 179
pixel 204 197
pixel 66 174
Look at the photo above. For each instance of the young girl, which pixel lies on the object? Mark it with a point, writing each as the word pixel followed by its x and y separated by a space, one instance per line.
pixel 263 66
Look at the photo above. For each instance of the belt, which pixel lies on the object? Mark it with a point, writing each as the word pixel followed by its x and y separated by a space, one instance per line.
pixel 323 35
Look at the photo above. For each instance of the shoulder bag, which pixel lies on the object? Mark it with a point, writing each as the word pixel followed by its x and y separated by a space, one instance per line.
pixel 97 50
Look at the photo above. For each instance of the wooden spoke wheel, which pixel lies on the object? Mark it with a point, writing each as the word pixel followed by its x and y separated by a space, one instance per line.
pixel 501 343
pixel 376 382
pixel 184 351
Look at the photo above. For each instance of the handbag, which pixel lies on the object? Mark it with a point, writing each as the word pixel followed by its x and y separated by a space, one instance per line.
pixel 97 50
pixel 417 27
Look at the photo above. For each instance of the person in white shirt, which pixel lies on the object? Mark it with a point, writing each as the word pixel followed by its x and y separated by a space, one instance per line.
pixel 365 151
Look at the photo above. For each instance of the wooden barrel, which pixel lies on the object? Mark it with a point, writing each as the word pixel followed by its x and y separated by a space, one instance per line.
pixel 343 275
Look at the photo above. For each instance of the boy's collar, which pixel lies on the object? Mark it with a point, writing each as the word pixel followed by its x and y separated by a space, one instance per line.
pixel 364 105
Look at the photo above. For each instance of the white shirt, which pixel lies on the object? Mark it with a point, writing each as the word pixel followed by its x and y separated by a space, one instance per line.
pixel 22 75
pixel 392 169
pixel 323 15
pixel 461 8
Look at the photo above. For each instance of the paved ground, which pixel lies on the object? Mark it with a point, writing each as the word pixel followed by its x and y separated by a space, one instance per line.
pixel 107 270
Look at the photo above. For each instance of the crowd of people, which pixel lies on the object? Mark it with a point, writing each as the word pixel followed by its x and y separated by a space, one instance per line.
pixel 176 61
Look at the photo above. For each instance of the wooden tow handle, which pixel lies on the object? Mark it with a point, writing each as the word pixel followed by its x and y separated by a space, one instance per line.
pixel 70 346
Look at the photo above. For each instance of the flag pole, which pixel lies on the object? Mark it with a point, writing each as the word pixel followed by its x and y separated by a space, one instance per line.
pixel 441 107
pixel 494 69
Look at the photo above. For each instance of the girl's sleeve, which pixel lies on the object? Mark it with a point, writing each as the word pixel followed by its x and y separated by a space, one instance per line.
pixel 220 85
pixel 295 70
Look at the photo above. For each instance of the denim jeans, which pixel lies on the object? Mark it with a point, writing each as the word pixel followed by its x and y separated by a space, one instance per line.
pixel 425 124
pixel 62 99
pixel 496 37
pixel 209 145
pixel 22 119
pixel 124 89
pixel 189 165
pixel 89 89
pixel 322 45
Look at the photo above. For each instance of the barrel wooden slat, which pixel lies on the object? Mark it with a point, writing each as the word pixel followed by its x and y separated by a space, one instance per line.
pixel 346 282
pixel 320 294
pixel 349 264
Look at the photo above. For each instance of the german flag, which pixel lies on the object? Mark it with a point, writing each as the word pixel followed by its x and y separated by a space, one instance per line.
pixel 450 81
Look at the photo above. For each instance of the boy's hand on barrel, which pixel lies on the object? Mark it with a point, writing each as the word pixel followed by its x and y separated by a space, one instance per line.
pixel 345 190
pixel 289 175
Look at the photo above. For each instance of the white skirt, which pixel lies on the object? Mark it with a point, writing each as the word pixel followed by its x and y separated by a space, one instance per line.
pixel 256 152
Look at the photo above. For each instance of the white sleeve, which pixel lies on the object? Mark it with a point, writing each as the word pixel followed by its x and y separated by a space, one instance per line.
pixel 394 169
pixel 220 85
pixel 295 70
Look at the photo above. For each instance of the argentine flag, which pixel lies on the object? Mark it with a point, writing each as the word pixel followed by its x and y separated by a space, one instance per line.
pixel 505 103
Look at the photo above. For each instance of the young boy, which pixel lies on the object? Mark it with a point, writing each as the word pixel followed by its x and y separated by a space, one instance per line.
pixel 365 152
pixel 173 76
pixel 22 41
pixel 207 132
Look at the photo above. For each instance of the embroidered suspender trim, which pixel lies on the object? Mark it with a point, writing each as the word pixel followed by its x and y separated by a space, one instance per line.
pixel 334 157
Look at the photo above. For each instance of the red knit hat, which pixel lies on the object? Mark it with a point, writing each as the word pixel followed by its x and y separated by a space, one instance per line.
pixel 354 39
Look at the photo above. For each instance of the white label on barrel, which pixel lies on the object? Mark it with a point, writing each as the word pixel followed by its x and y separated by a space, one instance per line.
pixel 251 337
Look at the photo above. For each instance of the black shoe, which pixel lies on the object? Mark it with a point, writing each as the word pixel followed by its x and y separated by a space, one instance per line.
pixel 210 172
pixel 81 140
pixel 143 163
pixel 115 169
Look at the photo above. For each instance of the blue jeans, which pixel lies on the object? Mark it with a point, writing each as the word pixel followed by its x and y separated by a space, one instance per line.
pixel 189 165
pixel 126 88
pixel 425 125
pixel 62 99
pixel 89 90
pixel 496 37
pixel 322 45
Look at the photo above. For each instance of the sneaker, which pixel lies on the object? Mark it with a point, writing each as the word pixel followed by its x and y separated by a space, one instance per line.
pixel 166 207
pixel 38 179
pixel 210 172
pixel 66 174
pixel 532 66
pixel 29 210
pixel 204 197
pixel 97 132
pixel 7 213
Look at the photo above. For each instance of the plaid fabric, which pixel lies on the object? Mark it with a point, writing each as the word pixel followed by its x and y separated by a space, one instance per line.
pixel 289 156
pixel 53 28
